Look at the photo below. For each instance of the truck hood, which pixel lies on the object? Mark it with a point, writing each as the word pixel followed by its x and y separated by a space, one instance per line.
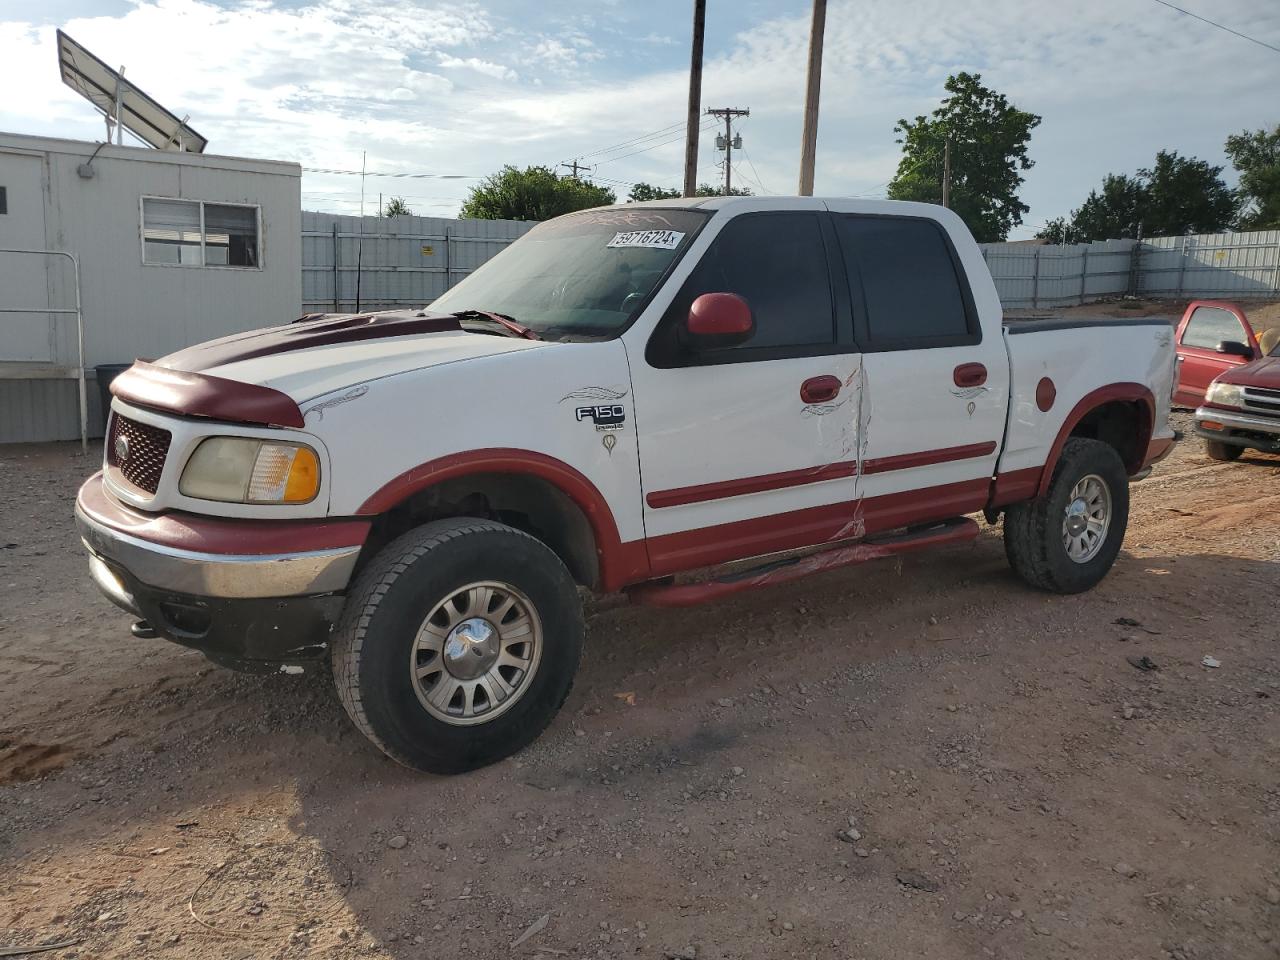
pixel 1263 372
pixel 266 376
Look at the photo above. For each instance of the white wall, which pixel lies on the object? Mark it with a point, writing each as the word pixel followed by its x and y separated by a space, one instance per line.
pixel 132 309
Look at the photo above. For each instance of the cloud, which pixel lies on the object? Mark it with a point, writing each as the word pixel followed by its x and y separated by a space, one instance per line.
pixel 462 88
pixel 486 67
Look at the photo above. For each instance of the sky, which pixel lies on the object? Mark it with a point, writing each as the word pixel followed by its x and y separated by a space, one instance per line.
pixel 455 90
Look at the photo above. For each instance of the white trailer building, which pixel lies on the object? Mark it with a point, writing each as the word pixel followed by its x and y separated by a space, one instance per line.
pixel 172 248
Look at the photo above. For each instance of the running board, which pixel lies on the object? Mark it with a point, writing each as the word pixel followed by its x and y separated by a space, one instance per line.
pixel 657 594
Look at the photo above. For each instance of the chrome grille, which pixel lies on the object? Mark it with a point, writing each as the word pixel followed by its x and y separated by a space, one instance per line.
pixel 1262 400
pixel 146 448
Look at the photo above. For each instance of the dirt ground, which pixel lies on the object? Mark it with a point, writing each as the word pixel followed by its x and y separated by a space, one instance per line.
pixel 908 759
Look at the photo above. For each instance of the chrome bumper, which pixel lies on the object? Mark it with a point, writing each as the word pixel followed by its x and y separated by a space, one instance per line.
pixel 212 574
pixel 1236 421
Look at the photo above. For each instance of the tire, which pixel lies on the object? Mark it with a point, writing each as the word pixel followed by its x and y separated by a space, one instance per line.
pixel 383 643
pixel 1035 532
pixel 1218 450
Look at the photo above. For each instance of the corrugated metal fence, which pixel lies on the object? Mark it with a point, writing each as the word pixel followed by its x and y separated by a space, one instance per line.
pixel 374 263
pixel 1227 265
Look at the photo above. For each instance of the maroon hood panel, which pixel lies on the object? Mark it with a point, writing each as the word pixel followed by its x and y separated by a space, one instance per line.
pixel 322 331
pixel 200 395
pixel 1264 372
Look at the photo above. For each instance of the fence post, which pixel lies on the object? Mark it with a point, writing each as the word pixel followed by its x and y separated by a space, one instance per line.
pixel 1135 264
pixel 1035 282
pixel 1275 277
pixel 1182 264
pixel 1084 272
pixel 335 267
pixel 448 259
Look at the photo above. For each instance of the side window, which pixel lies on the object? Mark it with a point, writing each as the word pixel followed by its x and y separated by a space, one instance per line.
pixel 910 289
pixel 192 233
pixel 777 262
pixel 1209 326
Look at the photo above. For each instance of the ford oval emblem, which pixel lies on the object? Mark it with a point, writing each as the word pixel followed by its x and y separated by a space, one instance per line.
pixel 122 448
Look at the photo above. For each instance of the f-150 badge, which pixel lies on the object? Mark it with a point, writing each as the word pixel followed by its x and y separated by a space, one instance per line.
pixel 606 416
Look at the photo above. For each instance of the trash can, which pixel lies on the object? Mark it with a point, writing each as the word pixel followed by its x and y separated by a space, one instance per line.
pixel 107 372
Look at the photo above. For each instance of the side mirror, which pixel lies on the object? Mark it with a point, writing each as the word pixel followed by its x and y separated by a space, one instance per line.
pixel 1234 348
pixel 719 320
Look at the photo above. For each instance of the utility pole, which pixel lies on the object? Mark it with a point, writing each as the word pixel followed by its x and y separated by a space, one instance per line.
pixel 809 139
pixel 727 141
pixel 575 167
pixel 695 100
pixel 946 174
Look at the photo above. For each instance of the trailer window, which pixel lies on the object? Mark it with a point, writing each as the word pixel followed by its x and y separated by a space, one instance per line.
pixel 192 233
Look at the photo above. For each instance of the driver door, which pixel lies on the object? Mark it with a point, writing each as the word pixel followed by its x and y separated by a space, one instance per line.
pixel 750 449
pixel 1199 361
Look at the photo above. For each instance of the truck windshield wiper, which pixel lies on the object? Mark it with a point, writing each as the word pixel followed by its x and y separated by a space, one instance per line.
pixel 501 319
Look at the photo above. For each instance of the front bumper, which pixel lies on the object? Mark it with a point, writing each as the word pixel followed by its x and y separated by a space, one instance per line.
pixel 1240 429
pixel 211 584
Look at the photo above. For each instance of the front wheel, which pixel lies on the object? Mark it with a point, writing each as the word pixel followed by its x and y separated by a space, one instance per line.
pixel 1067 540
pixel 458 644
pixel 1218 450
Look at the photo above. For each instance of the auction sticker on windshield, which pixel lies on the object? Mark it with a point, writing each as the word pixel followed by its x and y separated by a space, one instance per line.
pixel 656 239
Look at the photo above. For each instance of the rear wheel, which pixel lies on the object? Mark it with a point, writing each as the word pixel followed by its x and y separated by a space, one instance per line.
pixel 1218 450
pixel 458 644
pixel 1067 540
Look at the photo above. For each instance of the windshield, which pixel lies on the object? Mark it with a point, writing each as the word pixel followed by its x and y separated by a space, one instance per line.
pixel 585 274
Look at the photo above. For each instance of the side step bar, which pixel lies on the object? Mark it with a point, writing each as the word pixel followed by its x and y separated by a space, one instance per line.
pixel 658 594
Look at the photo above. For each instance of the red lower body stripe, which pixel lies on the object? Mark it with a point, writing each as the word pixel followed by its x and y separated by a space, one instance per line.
pixel 690 549
pixel 719 490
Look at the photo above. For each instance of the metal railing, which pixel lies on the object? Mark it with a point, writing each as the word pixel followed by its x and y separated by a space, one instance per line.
pixel 60 311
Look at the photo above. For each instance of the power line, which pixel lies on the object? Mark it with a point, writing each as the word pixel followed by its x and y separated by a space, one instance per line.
pixel 653 146
pixel 901 173
pixel 1214 23
pixel 664 131
pixel 411 176
pixel 759 182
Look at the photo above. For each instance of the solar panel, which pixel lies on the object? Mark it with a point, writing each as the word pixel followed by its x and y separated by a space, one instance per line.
pixel 123 102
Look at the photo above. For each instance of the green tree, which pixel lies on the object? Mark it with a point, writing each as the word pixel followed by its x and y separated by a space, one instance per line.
pixel 1178 195
pixel 534 193
pixel 1186 195
pixel 396 207
pixel 1118 211
pixel 989 138
pixel 1256 156
pixel 647 191
pixel 1059 231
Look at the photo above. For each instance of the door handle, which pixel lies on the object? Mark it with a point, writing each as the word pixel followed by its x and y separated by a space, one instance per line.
pixel 820 389
pixel 969 375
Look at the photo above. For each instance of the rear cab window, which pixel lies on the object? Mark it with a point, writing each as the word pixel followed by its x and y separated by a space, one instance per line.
pixel 907 288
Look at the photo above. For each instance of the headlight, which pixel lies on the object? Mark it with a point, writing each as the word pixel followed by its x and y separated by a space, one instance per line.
pixel 242 470
pixel 1225 395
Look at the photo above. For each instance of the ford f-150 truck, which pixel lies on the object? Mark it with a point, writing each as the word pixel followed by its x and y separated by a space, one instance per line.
pixel 624 396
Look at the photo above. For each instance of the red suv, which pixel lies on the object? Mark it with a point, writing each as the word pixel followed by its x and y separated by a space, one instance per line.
pixel 1233 371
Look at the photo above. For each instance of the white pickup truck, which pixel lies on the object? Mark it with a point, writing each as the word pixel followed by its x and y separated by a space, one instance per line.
pixel 624 396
